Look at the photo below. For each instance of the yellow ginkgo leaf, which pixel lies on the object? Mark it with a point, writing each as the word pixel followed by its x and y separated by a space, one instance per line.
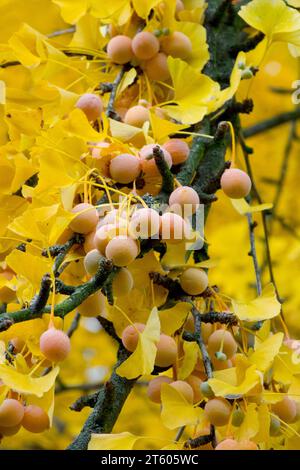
pixel 144 7
pixel 29 266
pixel 190 103
pixel 264 307
pixel 121 441
pixel 265 352
pixel 176 411
pixel 250 424
pixel 242 206
pixel 124 132
pixel 277 23
pixel 162 128
pixel 24 383
pixel 224 388
pixel 29 329
pixel 172 319
pixel 191 354
pixel 72 10
pixel 127 80
pixel 141 361
pixel 286 365
pixel 78 125
pixel 264 423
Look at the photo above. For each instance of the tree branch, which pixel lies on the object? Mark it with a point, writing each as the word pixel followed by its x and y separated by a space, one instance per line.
pixel 268 124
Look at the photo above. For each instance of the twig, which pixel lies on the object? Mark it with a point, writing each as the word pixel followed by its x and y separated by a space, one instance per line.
pixel 252 252
pixel 200 342
pixel 61 32
pixel 164 170
pixel 84 401
pixel 63 308
pixel 40 300
pixel 110 112
pixel 268 124
pixel 74 325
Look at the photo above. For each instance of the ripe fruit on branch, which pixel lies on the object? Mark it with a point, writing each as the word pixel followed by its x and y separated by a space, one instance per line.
pixel 194 281
pixel 177 44
pixel 125 168
pixel 148 162
pixel 285 409
pixel 55 345
pixel 119 49
pixel 186 198
pixel 137 116
pixel 166 351
pixel 145 45
pixel 9 430
pixel 86 220
pixel 122 282
pixel 35 419
pixel 144 223
pixel 235 183
pixel 217 411
pixel 130 336
pixel 157 68
pixel 184 389
pixel 173 228
pixel 92 306
pixel 122 250
pixel 178 149
pixel 237 417
pixel 11 412
pixel 222 340
pixel 91 105
pixel 89 244
pixel 154 388
pixel 195 383
pixel 91 261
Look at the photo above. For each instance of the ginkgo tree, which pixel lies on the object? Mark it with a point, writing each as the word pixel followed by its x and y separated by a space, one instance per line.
pixel 117 130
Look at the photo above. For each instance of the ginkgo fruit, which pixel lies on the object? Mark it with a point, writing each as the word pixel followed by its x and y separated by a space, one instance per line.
pixel 119 49
pixel 103 236
pixel 154 388
pixel 91 105
pixel 11 412
pixel 89 243
pixel 173 228
pixel 130 336
pixel 195 383
pixel 221 364
pixel 55 345
pixel 148 163
pixel 157 68
pixel 222 340
pixel 186 198
pixel 178 149
pixel 144 223
pixel 235 183
pixel 91 261
pixel 125 168
pixel 194 281
pixel 145 45
pixel 217 411
pixel 92 306
pixel 237 417
pixel 179 6
pixel 184 389
pixel 177 45
pixel 122 282
pixel 166 351
pixel 86 218
pixel 275 426
pixel 35 419
pixel 122 250
pixel 285 409
pixel 232 444
pixel 9 430
pixel 136 116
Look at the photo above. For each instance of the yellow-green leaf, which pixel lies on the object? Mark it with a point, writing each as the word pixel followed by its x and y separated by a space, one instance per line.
pixel 264 307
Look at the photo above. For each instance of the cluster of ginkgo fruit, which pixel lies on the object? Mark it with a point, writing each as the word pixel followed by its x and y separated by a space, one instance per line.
pixel 116 234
